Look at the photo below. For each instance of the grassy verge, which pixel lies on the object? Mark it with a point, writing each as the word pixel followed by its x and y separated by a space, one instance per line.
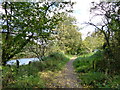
pixel 29 76
pixel 91 75
pixel 69 56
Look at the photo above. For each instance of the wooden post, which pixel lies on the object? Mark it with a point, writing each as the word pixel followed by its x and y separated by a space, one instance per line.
pixel 17 63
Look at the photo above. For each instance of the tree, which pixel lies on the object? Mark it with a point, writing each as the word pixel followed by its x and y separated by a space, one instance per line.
pixel 110 27
pixel 94 41
pixel 24 21
pixel 39 46
pixel 107 10
pixel 68 38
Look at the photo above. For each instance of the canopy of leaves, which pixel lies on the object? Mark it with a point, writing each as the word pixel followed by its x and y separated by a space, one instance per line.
pixel 67 36
pixel 110 27
pixel 94 41
pixel 23 21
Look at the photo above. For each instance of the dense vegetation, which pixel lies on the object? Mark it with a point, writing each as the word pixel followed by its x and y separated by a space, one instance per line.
pixel 29 29
pixel 101 70
pixel 47 31
pixel 25 22
pixel 29 76
pixel 91 70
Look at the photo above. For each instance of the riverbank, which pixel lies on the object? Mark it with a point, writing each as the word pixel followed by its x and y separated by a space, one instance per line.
pixel 28 76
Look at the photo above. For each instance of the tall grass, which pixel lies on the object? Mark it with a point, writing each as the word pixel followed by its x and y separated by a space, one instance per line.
pixel 92 75
pixel 28 76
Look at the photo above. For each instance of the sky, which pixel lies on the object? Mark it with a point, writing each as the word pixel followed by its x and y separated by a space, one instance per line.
pixel 82 14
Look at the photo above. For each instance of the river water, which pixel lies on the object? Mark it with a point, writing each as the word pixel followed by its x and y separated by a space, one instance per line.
pixel 22 61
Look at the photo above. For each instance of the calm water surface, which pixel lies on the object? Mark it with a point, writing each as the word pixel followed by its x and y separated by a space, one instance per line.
pixel 22 61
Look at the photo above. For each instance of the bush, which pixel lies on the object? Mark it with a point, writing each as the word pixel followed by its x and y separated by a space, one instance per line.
pixel 82 64
pixel 93 79
pixel 55 61
pixel 27 76
pixel 23 77
pixel 27 82
pixel 91 70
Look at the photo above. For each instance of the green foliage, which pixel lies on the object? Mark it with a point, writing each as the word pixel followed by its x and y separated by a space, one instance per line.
pixel 110 28
pixel 68 38
pixel 28 76
pixel 94 79
pixel 87 62
pixel 69 55
pixel 81 64
pixel 27 82
pixel 94 41
pixel 26 21
pixel 99 80
pixel 23 77
pixel 92 71
pixel 54 61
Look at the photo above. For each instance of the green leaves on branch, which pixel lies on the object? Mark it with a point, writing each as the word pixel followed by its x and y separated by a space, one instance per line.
pixel 24 21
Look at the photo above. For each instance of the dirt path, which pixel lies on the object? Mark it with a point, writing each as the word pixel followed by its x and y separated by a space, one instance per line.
pixel 66 78
pixel 69 76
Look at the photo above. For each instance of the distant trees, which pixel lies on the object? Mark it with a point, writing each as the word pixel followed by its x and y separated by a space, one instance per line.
pixel 93 41
pixel 68 38
pixel 24 21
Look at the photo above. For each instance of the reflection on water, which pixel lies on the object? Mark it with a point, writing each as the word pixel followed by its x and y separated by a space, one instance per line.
pixel 22 61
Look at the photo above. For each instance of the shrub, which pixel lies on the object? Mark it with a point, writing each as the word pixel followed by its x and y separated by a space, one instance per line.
pixel 94 79
pixel 91 70
pixel 55 61
pixel 27 82
pixel 26 76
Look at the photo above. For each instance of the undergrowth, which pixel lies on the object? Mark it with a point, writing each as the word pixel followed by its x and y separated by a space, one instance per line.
pixel 29 76
pixel 92 75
